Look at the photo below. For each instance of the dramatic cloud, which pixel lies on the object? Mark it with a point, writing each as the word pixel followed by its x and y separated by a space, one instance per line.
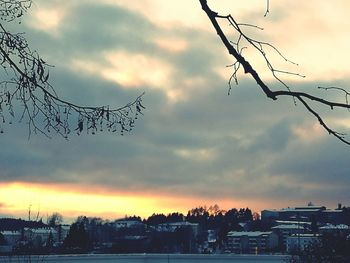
pixel 195 142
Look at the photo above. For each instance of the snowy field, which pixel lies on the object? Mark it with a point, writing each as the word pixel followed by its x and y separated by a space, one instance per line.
pixel 150 258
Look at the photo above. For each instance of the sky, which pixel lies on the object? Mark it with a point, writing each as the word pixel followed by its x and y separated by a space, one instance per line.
pixel 195 145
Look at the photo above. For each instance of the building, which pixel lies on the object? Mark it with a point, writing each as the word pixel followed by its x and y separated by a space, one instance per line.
pixel 334 216
pixel 172 227
pixel 209 244
pixel 122 223
pixel 11 237
pixel 341 229
pixel 303 213
pixel 283 231
pixel 308 213
pixel 251 242
pixel 41 236
pixel 299 242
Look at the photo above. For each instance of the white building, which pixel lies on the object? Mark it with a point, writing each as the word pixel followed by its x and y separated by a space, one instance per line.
pixel 127 223
pixel 251 242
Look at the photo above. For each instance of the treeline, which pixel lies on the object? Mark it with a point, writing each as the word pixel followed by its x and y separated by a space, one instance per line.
pixel 87 233
pixel 206 217
pixel 96 234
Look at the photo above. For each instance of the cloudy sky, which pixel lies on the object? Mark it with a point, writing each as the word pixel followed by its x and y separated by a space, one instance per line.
pixel 195 145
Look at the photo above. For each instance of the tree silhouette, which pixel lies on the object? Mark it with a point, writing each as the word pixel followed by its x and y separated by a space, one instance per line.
pixel 156 219
pixel 329 248
pixel 55 219
pixel 77 237
pixel 25 84
pixel 2 239
pixel 235 49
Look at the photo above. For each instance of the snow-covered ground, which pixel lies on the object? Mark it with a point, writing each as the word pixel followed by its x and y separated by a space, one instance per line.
pixel 150 258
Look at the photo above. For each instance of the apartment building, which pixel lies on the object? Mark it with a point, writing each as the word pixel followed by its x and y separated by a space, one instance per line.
pixel 251 242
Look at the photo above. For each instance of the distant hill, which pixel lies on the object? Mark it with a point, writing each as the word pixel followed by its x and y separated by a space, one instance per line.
pixel 11 224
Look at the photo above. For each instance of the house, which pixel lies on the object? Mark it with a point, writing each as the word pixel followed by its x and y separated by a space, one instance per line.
pixel 251 242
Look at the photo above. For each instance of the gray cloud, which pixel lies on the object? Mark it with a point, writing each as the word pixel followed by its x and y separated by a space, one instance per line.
pixel 145 160
pixel 325 162
pixel 255 153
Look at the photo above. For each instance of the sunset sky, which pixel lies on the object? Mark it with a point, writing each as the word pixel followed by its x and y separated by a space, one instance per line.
pixel 195 145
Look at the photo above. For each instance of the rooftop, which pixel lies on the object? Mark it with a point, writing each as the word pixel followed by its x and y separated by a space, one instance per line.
pixel 295 226
pixel 185 223
pixel 299 209
pixel 304 236
pixel 335 227
pixel 10 233
pixel 310 207
pixel 41 230
pixel 283 222
pixel 249 234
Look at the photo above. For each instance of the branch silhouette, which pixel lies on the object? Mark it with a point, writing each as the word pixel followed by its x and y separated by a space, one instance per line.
pixel 26 82
pixel 235 50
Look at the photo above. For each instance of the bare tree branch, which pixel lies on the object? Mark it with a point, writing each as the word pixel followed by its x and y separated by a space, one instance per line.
pixel 234 49
pixel 28 84
pixel 267 7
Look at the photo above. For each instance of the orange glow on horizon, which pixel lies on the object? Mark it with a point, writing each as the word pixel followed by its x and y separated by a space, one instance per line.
pixel 73 201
